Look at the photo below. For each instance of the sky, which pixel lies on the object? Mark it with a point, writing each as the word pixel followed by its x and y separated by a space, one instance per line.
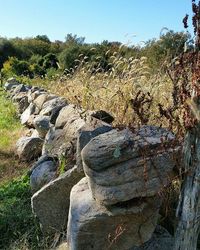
pixel 126 21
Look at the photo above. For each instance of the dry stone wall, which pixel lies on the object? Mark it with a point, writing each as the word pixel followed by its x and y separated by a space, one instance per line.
pixel 99 183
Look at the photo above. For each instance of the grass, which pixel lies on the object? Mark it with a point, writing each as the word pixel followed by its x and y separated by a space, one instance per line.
pixel 10 131
pixel 18 227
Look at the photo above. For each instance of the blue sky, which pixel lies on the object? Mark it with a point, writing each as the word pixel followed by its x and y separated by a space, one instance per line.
pixel 97 20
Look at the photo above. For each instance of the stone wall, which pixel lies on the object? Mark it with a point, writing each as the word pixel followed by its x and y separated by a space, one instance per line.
pixel 98 183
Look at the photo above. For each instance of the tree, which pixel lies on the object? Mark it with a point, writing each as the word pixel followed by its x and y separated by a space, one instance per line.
pixel 43 38
pixel 169 46
pixel 7 50
pixel 188 209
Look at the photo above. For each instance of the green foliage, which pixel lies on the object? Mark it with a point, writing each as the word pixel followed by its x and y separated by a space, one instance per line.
pixel 14 66
pixel 169 46
pixel 7 49
pixel 43 38
pixel 16 219
pixel 8 114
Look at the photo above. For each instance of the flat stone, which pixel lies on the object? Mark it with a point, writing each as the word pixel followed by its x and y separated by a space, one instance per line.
pixel 128 165
pixel 51 203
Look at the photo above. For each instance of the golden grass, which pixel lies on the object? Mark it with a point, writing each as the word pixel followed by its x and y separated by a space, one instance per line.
pixel 91 88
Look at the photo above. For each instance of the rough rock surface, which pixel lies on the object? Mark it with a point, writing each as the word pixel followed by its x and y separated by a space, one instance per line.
pixel 68 112
pixel 29 148
pixel 43 174
pixel 161 240
pixel 91 129
pixel 121 165
pixel 42 98
pixel 119 227
pixel 52 108
pixel 42 125
pixel 51 203
pixel 30 110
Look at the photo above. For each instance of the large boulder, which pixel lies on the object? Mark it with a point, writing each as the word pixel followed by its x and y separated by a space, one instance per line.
pixel 122 165
pixel 51 203
pixel 119 227
pixel 43 173
pixel 29 148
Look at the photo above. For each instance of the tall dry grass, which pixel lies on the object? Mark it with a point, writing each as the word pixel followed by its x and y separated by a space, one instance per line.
pixel 118 90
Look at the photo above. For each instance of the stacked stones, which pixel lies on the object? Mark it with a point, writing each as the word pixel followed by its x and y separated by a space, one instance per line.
pixel 114 176
pixel 116 206
pixel 57 133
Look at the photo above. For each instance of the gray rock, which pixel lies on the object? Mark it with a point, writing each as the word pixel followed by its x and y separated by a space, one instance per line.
pixel 91 129
pixel 19 88
pixel 29 148
pixel 33 94
pixel 41 99
pixel 22 101
pixel 119 227
pixel 42 174
pixel 42 159
pixel 69 112
pixel 161 240
pixel 51 203
pixel 119 146
pixel 10 83
pixel 30 110
pixel 57 144
pixel 62 142
pixel 52 108
pixel 134 171
pixel 42 125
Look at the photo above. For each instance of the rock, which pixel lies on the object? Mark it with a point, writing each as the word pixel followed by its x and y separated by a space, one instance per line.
pixel 29 148
pixel 91 129
pixel 69 112
pixel 134 171
pixel 62 142
pixel 102 115
pixel 42 174
pixel 30 110
pixel 22 101
pixel 119 227
pixel 42 159
pixel 161 240
pixel 42 125
pixel 18 89
pixel 52 108
pixel 57 144
pixel 51 203
pixel 10 83
pixel 41 99
pixel 33 94
pixel 119 146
